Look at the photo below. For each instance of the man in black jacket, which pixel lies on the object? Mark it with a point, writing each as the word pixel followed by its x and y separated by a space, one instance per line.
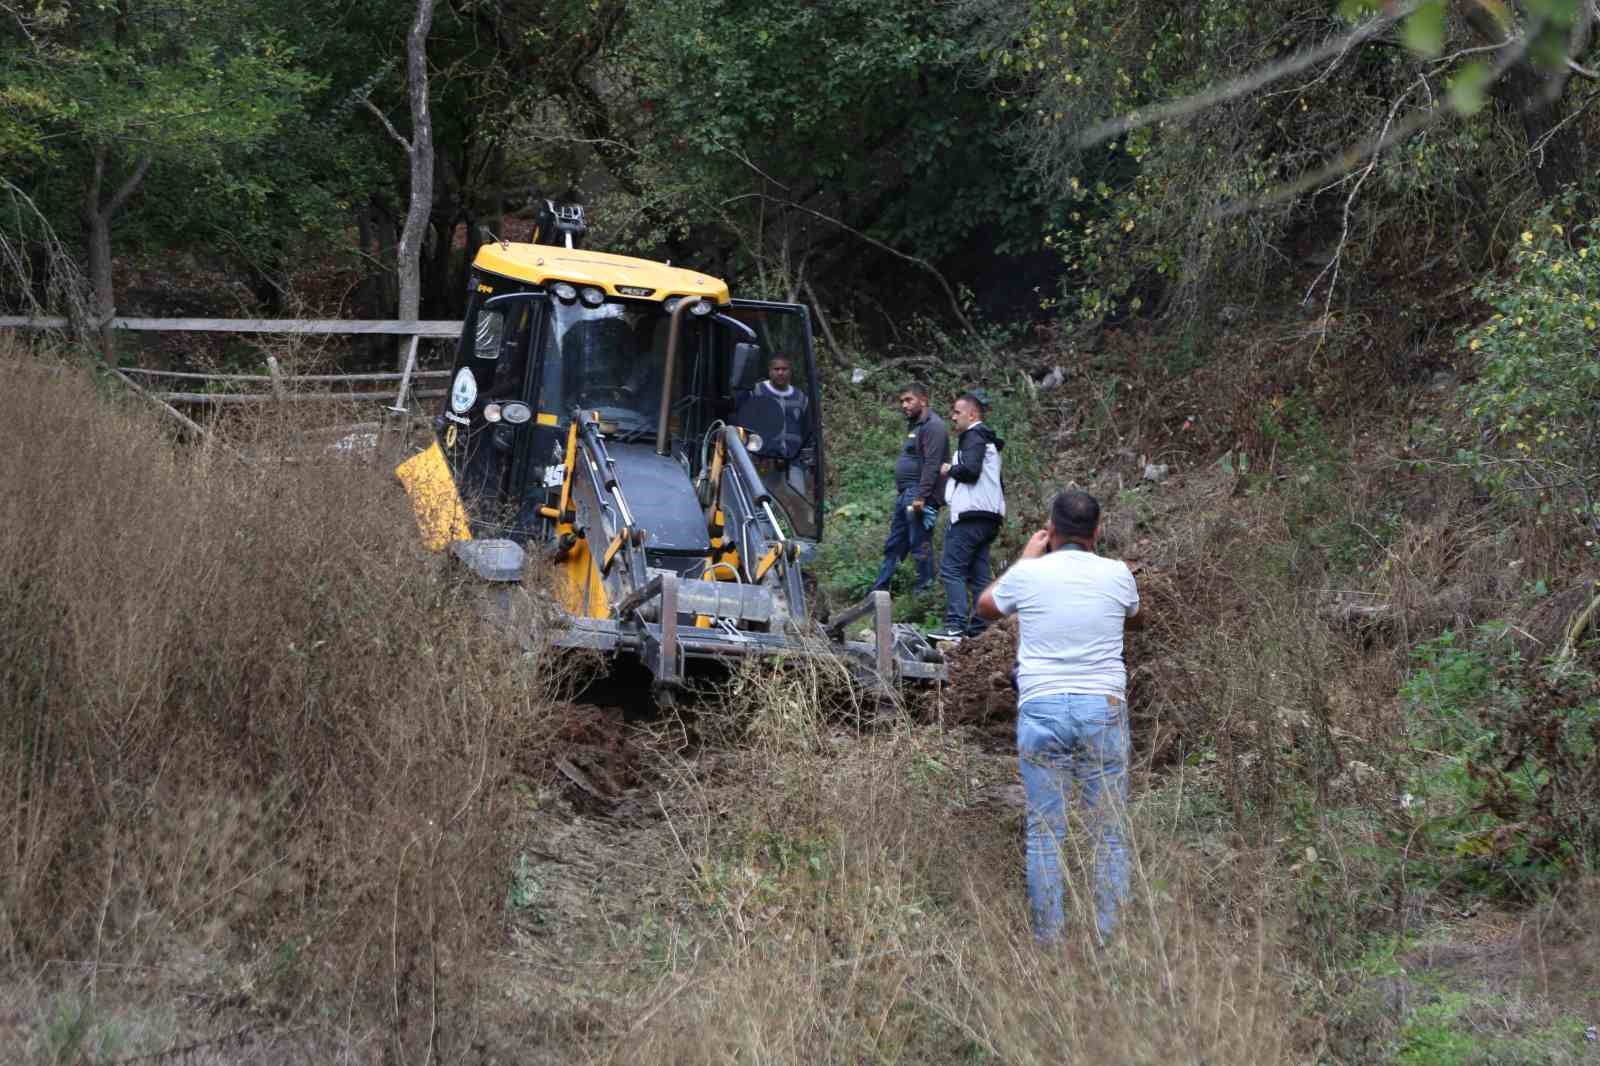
pixel 977 507
pixel 916 483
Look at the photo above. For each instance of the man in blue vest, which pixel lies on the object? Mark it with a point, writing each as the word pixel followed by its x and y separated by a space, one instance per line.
pixel 779 410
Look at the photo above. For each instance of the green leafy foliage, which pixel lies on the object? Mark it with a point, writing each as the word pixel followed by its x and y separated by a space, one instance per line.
pixel 113 102
pixel 183 81
pixel 1503 787
pixel 870 114
pixel 1211 203
pixel 1423 29
pixel 1536 398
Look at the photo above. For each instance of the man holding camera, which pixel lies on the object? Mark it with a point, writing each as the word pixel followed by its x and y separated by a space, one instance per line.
pixel 1072 607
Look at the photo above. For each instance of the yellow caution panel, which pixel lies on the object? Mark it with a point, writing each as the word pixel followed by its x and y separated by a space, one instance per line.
pixel 440 516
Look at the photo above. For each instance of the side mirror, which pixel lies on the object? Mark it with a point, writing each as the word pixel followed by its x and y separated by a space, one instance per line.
pixel 744 354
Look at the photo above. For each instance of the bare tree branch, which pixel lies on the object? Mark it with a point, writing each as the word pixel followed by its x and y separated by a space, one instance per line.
pixel 120 197
pixel 64 285
pixel 1349 201
pixel 1249 83
pixel 1538 146
pixel 1386 139
pixel 746 161
pixel 387 124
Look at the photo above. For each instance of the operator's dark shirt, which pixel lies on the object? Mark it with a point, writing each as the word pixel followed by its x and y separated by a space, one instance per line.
pixel 926 445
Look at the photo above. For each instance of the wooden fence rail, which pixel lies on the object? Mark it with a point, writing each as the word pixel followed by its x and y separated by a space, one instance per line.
pixel 327 326
pixel 280 383
pixel 288 378
pixel 225 398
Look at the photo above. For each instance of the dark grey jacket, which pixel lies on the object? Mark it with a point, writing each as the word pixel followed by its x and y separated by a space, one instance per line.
pixel 926 445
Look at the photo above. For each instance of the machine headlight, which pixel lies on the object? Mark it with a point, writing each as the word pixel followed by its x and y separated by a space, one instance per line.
pixel 699 307
pixel 491 412
pixel 593 297
pixel 463 391
pixel 516 412
pixel 753 442
pixel 564 292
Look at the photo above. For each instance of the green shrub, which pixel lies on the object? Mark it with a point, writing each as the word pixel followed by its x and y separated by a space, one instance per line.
pixel 1506 760
pixel 1536 399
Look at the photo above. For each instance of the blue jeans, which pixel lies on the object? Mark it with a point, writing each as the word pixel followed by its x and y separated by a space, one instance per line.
pixel 964 569
pixel 908 536
pixel 1064 741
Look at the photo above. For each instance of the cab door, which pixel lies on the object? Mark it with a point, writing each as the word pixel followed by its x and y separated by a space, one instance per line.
pixel 783 329
pixel 488 454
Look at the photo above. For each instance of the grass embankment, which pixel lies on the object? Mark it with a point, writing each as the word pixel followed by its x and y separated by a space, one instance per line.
pixel 269 775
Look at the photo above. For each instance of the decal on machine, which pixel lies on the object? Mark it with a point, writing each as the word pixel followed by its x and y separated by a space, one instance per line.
pixel 463 391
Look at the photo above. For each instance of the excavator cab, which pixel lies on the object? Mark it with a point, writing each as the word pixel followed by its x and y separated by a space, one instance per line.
pixel 618 421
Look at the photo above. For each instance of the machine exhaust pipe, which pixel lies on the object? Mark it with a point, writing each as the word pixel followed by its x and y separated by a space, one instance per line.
pixel 674 332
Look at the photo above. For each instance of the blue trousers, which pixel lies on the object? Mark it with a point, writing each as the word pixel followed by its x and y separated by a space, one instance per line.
pixel 964 569
pixel 1066 741
pixel 908 535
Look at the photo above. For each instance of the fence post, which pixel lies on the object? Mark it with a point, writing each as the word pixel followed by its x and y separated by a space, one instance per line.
pixel 405 376
pixel 396 424
pixel 277 377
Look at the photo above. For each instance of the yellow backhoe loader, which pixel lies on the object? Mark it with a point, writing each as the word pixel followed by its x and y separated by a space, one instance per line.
pixel 607 419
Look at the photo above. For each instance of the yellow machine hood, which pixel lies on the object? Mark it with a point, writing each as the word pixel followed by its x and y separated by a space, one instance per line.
pixel 541 263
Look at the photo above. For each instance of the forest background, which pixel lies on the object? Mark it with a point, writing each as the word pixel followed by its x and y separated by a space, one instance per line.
pixel 1304 291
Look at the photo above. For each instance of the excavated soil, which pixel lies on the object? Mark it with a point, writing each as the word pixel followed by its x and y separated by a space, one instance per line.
pixel 979 693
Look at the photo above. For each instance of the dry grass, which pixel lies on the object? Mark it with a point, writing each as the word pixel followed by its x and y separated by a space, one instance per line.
pixel 253 742
pixel 867 905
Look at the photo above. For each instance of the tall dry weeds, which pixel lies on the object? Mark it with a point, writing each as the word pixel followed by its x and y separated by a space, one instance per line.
pixel 252 735
pixel 865 889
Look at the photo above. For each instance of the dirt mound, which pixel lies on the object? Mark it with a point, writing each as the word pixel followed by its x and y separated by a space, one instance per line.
pixel 979 692
pixel 591 752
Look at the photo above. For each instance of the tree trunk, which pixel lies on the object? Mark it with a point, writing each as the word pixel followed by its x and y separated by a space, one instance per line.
pixel 388 237
pixel 420 151
pixel 498 206
pixel 1535 94
pixel 103 304
pixel 437 297
pixel 96 219
pixel 458 290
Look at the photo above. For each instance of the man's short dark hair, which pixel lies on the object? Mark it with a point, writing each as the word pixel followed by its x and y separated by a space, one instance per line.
pixel 1075 513
pixel 915 388
pixel 971 399
pixel 784 356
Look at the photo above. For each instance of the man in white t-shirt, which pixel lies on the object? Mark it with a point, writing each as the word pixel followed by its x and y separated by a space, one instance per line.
pixel 1072 710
